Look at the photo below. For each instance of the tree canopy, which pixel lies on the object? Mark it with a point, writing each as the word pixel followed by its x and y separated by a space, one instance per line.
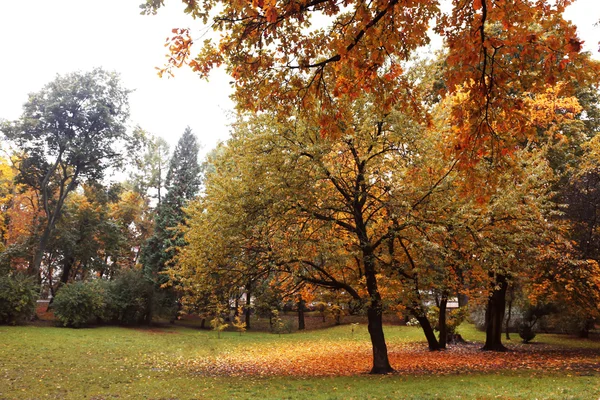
pixel 69 132
pixel 290 56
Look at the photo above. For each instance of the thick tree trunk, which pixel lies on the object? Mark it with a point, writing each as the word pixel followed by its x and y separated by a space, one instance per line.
pixel 494 315
pixel 381 363
pixel 301 323
pixel 442 322
pixel 66 272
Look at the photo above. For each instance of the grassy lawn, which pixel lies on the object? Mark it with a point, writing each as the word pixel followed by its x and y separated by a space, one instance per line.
pixel 184 363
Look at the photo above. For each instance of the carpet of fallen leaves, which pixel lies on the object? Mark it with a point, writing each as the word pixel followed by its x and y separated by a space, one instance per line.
pixel 329 358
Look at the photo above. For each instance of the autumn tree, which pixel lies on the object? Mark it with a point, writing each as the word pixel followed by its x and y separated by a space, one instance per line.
pixel 288 56
pixel 7 184
pixel 69 132
pixel 572 282
pixel 135 218
pixel 502 59
pixel 316 209
pixel 88 240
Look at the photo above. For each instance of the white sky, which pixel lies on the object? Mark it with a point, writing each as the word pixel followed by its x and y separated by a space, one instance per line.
pixel 42 38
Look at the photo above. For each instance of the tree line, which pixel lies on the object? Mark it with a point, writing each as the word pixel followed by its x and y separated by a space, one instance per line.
pixel 66 220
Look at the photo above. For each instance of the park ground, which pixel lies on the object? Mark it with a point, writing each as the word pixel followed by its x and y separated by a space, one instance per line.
pixel 177 362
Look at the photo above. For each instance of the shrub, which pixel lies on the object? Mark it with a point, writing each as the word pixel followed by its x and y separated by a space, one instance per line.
pixel 18 295
pixel 80 303
pixel 526 332
pixel 130 299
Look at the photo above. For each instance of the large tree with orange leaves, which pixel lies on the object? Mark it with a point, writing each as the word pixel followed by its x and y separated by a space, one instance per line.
pixel 293 55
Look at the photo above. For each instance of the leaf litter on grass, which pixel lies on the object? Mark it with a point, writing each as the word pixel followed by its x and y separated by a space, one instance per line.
pixel 329 358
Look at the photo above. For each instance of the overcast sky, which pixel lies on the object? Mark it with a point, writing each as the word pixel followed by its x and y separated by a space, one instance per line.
pixel 42 38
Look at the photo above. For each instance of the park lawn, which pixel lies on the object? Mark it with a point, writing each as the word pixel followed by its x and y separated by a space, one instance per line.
pixel 182 363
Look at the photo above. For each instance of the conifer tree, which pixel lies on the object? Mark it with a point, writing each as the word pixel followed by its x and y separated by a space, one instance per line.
pixel 182 184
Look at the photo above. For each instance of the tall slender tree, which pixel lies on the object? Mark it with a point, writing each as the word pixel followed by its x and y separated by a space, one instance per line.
pixel 182 185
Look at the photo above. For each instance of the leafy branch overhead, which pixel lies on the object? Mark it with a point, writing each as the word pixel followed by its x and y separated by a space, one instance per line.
pixel 288 56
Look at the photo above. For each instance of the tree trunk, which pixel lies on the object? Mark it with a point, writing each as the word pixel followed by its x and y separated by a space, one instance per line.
pixel 509 314
pixel 39 253
pixel 247 311
pixel 584 332
pixel 442 322
pixel 52 217
pixel 301 324
pixel 381 363
pixel 428 330
pixel 149 309
pixel 67 266
pixel 494 315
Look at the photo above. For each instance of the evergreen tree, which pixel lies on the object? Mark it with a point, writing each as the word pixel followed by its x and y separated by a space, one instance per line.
pixel 182 185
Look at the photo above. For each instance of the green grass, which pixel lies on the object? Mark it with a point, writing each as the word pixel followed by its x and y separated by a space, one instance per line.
pixel 109 363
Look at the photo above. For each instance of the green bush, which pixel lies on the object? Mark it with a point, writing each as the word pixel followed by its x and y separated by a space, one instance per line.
pixel 130 299
pixel 526 332
pixel 80 303
pixel 18 297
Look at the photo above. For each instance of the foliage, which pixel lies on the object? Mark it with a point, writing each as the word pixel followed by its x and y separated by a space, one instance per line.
pixel 129 297
pixel 336 312
pixel 291 56
pixel 182 185
pixel 7 174
pixel 18 295
pixel 526 332
pixel 531 316
pixel 87 240
pixel 149 155
pixel 79 303
pixel 279 325
pixel 238 323
pixel 218 322
pixel 379 215
pixel 70 131
pixel 454 318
